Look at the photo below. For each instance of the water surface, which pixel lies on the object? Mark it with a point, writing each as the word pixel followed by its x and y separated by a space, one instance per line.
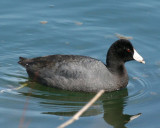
pixel 84 28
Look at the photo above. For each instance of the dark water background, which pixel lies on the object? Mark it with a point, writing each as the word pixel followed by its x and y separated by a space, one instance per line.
pixel 84 27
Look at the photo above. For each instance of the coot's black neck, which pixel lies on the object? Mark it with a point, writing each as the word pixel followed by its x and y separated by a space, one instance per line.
pixel 115 68
pixel 115 65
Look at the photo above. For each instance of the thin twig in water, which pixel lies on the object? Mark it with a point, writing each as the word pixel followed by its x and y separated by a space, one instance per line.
pixel 82 110
pixel 22 119
pixel 21 123
pixel 10 90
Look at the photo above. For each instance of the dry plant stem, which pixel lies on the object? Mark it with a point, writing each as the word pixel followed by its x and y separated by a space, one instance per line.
pixel 82 110
pixel 21 123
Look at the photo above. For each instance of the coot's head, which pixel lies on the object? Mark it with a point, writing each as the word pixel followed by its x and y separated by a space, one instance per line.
pixel 122 51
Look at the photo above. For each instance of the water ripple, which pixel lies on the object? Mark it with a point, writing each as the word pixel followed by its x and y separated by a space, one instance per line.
pixel 139 87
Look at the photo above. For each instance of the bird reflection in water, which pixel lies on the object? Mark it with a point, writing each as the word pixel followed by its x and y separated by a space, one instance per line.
pixel 113 107
pixel 66 103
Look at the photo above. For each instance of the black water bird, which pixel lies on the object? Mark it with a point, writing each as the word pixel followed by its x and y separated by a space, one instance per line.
pixel 83 73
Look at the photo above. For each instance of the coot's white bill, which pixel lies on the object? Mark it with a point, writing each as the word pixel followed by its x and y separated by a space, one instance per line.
pixel 137 57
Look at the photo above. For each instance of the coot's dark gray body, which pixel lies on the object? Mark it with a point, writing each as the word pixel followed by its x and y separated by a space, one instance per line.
pixel 82 73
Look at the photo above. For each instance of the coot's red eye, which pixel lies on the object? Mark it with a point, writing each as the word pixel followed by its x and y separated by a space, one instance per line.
pixel 128 50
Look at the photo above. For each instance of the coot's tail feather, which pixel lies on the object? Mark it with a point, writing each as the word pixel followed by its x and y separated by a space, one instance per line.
pixel 22 61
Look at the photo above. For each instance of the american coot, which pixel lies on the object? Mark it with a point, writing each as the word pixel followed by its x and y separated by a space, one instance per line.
pixel 82 73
